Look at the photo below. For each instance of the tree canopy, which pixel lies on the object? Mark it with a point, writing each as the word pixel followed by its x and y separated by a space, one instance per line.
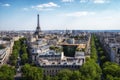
pixel 32 72
pixel 111 71
pixel 7 72
pixel 91 70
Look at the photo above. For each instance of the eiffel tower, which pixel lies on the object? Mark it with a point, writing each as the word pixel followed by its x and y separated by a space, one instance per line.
pixel 38 29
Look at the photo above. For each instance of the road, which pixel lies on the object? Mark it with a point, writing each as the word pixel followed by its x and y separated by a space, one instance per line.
pixel 18 76
pixel 18 69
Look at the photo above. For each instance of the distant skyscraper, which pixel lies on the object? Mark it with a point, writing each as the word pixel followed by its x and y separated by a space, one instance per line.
pixel 38 29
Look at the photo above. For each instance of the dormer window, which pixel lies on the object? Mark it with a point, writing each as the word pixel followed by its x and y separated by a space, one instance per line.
pixel 53 63
pixel 58 62
pixel 44 63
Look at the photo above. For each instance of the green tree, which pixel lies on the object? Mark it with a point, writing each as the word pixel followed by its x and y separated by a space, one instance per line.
pixel 52 47
pixel 55 78
pixel 76 75
pixel 15 52
pixel 7 73
pixel 56 48
pixel 23 49
pixel 93 49
pixel 111 70
pixel 47 78
pixel 32 73
pixel 64 74
pixel 24 58
pixel 90 71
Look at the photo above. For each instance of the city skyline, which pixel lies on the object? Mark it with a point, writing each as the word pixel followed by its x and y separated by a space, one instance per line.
pixel 60 14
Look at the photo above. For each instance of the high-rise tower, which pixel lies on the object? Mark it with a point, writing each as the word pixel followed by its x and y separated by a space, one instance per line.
pixel 38 29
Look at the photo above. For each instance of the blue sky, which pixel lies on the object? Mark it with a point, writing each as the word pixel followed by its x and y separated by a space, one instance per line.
pixel 60 14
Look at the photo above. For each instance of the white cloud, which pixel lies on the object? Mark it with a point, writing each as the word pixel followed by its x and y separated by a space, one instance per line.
pixel 6 5
pixel 25 9
pixel 83 1
pixel 95 1
pixel 100 1
pixel 67 0
pixel 47 6
pixel 80 13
